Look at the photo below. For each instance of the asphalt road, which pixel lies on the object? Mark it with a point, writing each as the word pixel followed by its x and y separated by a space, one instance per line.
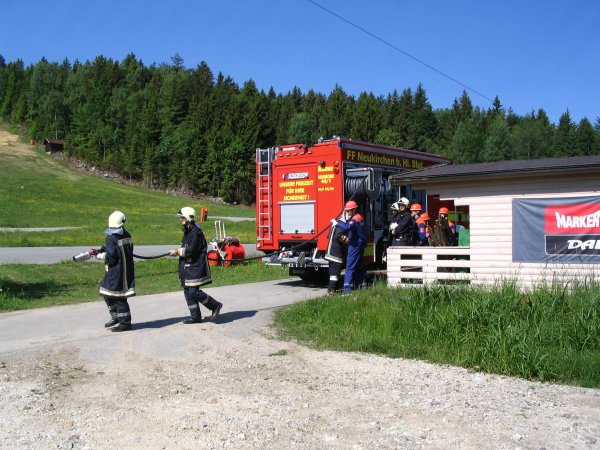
pixel 157 328
pixel 51 255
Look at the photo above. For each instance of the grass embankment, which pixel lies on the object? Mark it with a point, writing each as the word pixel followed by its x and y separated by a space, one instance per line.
pixel 24 286
pixel 37 191
pixel 551 334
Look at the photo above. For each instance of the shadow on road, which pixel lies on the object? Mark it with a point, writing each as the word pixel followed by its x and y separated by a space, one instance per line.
pixel 158 323
pixel 223 318
pixel 235 315
pixel 308 284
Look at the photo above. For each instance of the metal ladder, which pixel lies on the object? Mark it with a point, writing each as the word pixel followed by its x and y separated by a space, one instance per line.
pixel 264 159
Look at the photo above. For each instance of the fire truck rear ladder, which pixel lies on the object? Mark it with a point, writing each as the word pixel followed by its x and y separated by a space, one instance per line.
pixel 265 225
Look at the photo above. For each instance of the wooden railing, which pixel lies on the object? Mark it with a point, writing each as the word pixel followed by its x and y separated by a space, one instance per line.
pixel 426 265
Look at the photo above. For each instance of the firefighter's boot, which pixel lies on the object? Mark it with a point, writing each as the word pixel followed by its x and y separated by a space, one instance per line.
pixel 333 284
pixel 213 305
pixel 112 309
pixel 216 312
pixel 123 315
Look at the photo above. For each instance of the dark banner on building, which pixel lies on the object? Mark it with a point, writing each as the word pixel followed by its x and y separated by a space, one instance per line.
pixel 556 230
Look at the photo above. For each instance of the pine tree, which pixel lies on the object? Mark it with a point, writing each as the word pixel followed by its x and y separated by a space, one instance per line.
pixel 565 139
pixel 314 106
pixel 586 137
pixel 468 141
pixel 498 144
pixel 300 131
pixel 338 113
pixel 367 118
pixel 424 129
pixel 14 85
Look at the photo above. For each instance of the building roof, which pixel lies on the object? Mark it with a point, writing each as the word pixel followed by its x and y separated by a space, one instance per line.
pixel 54 141
pixel 501 168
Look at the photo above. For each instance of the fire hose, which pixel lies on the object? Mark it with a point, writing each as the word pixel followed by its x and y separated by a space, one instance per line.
pixel 86 255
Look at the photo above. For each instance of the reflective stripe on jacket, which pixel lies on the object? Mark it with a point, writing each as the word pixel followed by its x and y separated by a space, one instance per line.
pixel 119 279
pixel 193 262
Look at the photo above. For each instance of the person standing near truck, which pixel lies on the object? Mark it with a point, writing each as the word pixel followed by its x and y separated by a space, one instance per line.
pixel 402 228
pixel 337 251
pixel 357 241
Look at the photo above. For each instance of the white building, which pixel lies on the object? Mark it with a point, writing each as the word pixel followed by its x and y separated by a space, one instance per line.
pixel 530 221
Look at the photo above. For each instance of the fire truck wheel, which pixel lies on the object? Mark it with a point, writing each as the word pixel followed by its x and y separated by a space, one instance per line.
pixel 310 275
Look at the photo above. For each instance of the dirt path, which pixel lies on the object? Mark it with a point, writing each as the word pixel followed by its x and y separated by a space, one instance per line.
pixel 10 144
pixel 233 385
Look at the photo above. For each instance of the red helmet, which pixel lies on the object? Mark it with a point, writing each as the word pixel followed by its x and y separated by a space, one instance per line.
pixel 415 207
pixel 443 210
pixel 425 216
pixel 350 205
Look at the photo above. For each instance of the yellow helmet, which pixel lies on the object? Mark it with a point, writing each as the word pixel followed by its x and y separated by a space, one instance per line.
pixel 116 220
pixel 188 213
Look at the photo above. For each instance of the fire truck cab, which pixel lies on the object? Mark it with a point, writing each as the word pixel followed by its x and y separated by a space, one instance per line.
pixel 300 188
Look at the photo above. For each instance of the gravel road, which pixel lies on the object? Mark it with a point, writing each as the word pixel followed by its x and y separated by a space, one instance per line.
pixel 67 383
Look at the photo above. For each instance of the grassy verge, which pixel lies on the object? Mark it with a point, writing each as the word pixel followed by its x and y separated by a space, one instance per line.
pixel 32 285
pixel 548 335
pixel 38 191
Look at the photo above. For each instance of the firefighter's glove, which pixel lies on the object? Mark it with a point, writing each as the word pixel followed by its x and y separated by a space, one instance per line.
pixel 174 252
pixel 333 222
pixel 93 251
pixel 393 226
pixel 345 240
pixel 101 256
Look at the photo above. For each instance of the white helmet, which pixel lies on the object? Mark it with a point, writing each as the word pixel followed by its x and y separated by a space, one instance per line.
pixel 404 201
pixel 116 220
pixel 395 206
pixel 188 213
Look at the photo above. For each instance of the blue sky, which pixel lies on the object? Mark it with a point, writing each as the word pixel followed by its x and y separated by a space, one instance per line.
pixel 531 54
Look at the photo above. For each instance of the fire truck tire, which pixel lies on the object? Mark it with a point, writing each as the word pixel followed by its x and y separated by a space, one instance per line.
pixel 310 275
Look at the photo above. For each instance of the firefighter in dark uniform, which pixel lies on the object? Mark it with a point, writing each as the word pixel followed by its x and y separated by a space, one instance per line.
pixel 337 250
pixel 194 270
pixel 357 242
pixel 118 283
pixel 402 228
pixel 446 228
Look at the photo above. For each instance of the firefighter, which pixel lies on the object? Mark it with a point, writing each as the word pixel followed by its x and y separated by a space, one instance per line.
pixel 118 283
pixel 415 212
pixel 337 250
pixel 194 270
pixel 357 241
pixel 447 229
pixel 402 227
pixel 424 229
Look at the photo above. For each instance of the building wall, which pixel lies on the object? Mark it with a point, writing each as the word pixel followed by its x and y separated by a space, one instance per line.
pixel 490 210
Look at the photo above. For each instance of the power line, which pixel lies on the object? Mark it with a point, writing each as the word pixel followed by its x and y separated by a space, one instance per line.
pixel 389 44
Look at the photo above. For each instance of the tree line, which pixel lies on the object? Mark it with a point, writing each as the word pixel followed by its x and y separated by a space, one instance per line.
pixel 188 130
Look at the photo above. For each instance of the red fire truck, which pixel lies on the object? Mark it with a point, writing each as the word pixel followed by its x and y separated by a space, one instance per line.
pixel 300 188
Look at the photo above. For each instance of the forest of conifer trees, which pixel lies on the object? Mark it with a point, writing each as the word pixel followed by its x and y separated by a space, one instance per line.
pixel 185 129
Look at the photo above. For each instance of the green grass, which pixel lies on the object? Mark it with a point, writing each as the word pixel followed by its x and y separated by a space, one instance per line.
pixel 548 335
pixel 37 191
pixel 24 286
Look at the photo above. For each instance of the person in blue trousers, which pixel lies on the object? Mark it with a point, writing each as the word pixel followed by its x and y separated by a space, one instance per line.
pixel 357 241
